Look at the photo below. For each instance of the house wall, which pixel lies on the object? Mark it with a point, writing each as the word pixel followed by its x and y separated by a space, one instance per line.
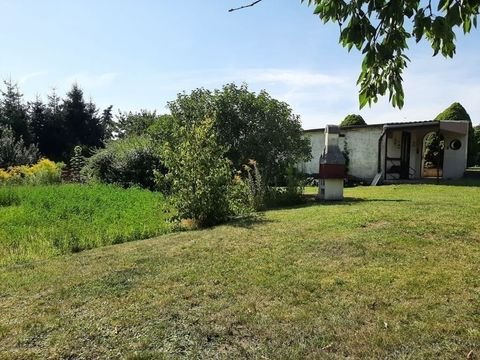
pixel 362 145
pixel 454 161
pixel 317 142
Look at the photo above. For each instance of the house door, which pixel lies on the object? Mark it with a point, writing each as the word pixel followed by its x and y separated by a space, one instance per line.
pixel 405 155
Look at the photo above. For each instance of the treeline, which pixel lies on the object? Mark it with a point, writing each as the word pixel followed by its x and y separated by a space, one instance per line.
pixel 50 129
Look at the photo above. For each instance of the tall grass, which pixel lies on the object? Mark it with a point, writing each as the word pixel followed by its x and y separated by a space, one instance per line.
pixel 42 221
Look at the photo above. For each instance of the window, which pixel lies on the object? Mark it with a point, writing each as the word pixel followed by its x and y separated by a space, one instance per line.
pixel 455 144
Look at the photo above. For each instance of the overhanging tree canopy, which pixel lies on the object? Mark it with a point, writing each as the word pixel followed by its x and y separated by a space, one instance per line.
pixel 380 29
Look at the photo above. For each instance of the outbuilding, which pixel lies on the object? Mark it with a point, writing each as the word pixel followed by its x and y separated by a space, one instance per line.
pixel 396 151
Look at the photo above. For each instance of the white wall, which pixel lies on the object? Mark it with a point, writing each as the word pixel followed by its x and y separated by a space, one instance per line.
pixel 362 144
pixel 317 142
pixel 454 161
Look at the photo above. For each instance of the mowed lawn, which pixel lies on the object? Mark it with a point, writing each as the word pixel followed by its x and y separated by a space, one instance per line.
pixel 391 273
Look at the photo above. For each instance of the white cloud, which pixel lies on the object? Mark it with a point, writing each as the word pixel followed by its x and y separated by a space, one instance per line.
pixel 292 77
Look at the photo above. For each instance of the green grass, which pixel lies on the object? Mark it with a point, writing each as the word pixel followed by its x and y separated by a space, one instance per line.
pixel 391 273
pixel 38 222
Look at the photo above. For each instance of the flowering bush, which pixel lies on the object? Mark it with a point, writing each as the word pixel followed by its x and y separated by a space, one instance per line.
pixel 44 172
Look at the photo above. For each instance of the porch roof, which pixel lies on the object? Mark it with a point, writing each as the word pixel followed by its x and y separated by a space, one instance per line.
pixel 456 126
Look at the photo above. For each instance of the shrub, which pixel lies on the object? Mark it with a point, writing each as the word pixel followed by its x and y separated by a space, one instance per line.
pixel 77 162
pixel 256 186
pixel 14 151
pixel 457 112
pixel 240 198
pixel 261 196
pixel 434 149
pixel 352 120
pixel 202 189
pixel 45 172
pixel 290 195
pixel 126 162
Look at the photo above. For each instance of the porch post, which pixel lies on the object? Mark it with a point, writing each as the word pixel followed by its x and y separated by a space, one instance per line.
pixel 386 155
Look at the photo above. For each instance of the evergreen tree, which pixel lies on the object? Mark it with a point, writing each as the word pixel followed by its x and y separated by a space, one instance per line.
pixel 55 143
pixel 82 123
pixel 38 120
pixel 75 116
pixel 93 138
pixel 109 126
pixel 77 162
pixel 13 112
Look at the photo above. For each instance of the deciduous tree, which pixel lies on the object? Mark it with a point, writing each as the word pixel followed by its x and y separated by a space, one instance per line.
pixel 249 125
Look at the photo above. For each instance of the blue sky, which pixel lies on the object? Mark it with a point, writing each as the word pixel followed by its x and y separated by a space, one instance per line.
pixel 140 54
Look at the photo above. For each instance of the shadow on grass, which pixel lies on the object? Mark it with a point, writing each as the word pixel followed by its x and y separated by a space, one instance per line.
pixel 312 201
pixel 248 222
pixel 471 182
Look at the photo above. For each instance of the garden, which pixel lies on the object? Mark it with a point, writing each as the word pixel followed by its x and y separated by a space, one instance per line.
pixel 73 179
pixel 391 272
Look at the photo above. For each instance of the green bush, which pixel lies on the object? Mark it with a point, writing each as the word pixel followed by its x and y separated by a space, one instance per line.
pixel 202 189
pixel 434 150
pixel 353 120
pixel 77 162
pixel 262 196
pixel 128 162
pixel 256 186
pixel 44 172
pixel 250 125
pixel 13 151
pixel 290 195
pixel 457 112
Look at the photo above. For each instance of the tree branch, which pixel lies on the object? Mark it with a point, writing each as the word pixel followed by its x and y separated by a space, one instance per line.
pixel 245 6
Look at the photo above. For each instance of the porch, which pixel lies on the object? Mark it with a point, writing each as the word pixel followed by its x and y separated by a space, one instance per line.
pixel 407 151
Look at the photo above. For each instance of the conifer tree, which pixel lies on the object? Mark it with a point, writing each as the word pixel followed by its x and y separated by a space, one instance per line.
pixel 13 112
pixel 109 126
pixel 55 140
pixel 75 116
pixel 38 121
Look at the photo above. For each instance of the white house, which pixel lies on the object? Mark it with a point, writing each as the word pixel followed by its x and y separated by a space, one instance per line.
pixel 395 151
